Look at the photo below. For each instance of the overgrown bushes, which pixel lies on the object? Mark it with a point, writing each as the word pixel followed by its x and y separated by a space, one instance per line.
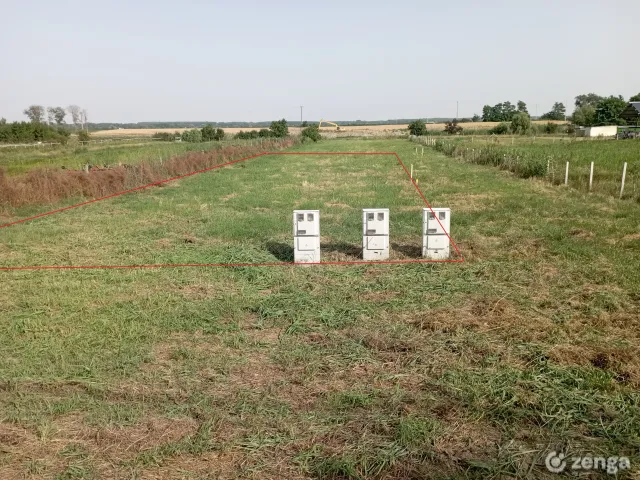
pixel 45 186
pixel 278 129
pixel 522 164
pixel 31 132
pixel 311 133
pixel 192 136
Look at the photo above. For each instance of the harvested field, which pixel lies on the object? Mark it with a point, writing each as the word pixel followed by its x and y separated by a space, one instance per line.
pixel 375 129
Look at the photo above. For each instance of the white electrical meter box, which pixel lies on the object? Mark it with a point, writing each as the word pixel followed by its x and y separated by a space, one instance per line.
pixel 375 234
pixel 436 225
pixel 306 236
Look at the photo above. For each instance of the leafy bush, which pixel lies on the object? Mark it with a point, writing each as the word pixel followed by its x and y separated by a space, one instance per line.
pixel 264 133
pixel 500 129
pixel 251 134
pixel 209 133
pixel 551 128
pixel 520 123
pixel 452 128
pixel 192 136
pixel 417 127
pixel 84 136
pixel 165 136
pixel 311 133
pixel 27 132
pixel 279 128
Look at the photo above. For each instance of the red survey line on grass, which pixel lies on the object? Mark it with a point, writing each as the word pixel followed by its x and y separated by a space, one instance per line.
pixel 117 194
pixel 206 265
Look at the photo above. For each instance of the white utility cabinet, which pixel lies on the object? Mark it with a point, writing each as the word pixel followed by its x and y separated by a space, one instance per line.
pixel 375 234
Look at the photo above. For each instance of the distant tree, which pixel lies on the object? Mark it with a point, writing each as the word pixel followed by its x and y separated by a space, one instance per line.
pixel 522 107
pixel 84 116
pixel 56 114
pixel 192 136
pixel 279 128
pixel 476 118
pixel 635 98
pixel 311 133
pixel 520 123
pixel 590 99
pixel 208 133
pixel 557 112
pixel 417 127
pixel 264 133
pixel 76 115
pixel 219 135
pixel 585 116
pixel 609 109
pixel 501 112
pixel 83 136
pixel 3 121
pixel 452 127
pixel 35 113
pixel 306 124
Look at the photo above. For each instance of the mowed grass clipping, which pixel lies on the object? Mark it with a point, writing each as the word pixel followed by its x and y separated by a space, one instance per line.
pixel 472 370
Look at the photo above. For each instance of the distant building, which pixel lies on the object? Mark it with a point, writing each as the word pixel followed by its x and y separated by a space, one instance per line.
pixel 604 131
pixel 631 114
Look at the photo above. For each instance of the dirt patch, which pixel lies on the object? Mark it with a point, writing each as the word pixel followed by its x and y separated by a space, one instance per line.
pixel 581 233
pixel 631 237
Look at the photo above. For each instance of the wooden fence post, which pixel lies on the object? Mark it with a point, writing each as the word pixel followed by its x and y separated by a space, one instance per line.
pixel 566 174
pixel 624 175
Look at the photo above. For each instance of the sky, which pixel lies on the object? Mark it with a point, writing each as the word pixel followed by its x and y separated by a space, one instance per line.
pixel 132 61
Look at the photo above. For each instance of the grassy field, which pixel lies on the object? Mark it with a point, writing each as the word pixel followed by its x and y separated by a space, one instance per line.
pixel 548 157
pixel 19 161
pixel 471 370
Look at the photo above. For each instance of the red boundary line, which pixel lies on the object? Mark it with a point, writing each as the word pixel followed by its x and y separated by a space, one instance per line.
pixel 268 264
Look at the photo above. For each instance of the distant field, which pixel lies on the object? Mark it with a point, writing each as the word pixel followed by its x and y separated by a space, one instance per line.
pixel 354 128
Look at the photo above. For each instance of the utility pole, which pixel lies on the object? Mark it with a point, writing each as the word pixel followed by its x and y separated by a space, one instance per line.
pixel 456 108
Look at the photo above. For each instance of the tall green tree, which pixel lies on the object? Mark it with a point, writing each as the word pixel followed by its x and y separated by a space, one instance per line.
pixel 522 107
pixel 557 112
pixel 609 109
pixel 585 116
pixel 35 113
pixel 587 99
pixel 521 123
pixel 635 98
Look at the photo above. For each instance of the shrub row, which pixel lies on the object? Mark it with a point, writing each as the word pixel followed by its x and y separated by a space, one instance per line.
pixel 45 186
pixel 521 163
pixel 28 132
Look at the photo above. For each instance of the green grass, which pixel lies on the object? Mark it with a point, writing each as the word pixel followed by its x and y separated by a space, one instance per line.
pixel 472 370
pixel 544 157
pixel 16 161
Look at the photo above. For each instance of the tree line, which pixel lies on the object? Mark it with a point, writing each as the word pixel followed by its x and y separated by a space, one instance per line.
pixel 44 125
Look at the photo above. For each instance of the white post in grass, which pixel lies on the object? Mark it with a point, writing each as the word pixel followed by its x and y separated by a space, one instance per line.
pixel 591 177
pixel 624 175
pixel 423 151
pixel 566 174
